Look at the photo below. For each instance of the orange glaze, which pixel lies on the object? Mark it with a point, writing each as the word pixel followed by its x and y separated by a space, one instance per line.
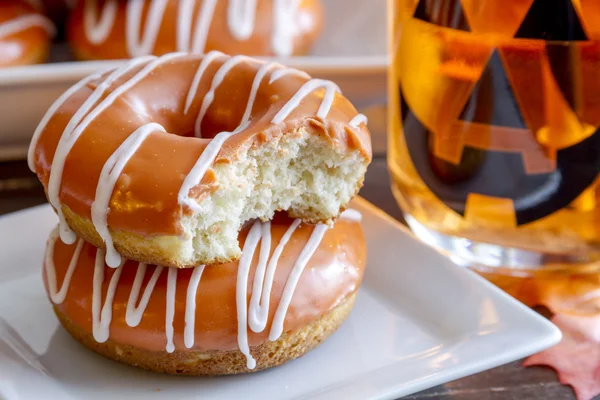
pixel 27 46
pixel 334 272
pixel 145 196
pixel 219 36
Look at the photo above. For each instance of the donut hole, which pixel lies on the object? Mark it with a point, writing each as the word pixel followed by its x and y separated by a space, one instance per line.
pixel 300 172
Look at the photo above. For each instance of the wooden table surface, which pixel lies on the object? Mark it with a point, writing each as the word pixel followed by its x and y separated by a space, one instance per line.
pixel 19 189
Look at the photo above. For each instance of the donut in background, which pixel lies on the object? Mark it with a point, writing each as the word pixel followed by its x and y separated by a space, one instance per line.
pixel 114 29
pixel 25 34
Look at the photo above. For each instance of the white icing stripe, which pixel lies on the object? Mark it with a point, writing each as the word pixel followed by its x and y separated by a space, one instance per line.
pixel 258 312
pixel 351 215
pixel 24 22
pixel 133 315
pixel 68 139
pixel 203 22
pixel 97 29
pixel 136 46
pixel 262 71
pixel 70 135
pixel 58 295
pixel 357 120
pixel 190 307
pixel 206 61
pixel 284 26
pixel 241 20
pixel 292 281
pixel 216 82
pixel 280 73
pixel 240 17
pixel 50 113
pixel 330 90
pixel 194 177
pixel 102 314
pixel 170 313
pixel 199 169
pixel 241 298
pixel 184 20
pixel 111 171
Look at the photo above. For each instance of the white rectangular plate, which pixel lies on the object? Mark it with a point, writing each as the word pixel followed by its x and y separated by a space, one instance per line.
pixel 419 321
pixel 350 51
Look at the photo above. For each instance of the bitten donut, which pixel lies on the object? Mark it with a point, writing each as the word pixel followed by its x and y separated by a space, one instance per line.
pixel 25 34
pixel 163 159
pixel 294 285
pixel 123 29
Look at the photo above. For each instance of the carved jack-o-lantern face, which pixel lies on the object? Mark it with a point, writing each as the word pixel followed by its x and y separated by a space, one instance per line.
pixel 502 99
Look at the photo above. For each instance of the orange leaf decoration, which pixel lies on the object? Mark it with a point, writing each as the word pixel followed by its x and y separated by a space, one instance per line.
pixel 575 301
pixel 576 358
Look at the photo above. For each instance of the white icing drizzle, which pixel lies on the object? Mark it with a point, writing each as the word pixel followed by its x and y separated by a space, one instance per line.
pixel 111 171
pixel 24 22
pixel 330 90
pixel 216 82
pixel 241 298
pixel 133 314
pixel 357 120
pixel 152 24
pixel 280 73
pixel 58 295
pixel 170 314
pixel 351 215
pixel 190 307
pixel 258 311
pixel 50 113
pixel 184 19
pixel 260 75
pixel 102 314
pixel 293 278
pixel 194 177
pixel 284 26
pixel 200 34
pixel 203 26
pixel 74 128
pixel 70 135
pixel 97 29
pixel 241 19
pixel 253 315
pixel 256 314
pixel 206 61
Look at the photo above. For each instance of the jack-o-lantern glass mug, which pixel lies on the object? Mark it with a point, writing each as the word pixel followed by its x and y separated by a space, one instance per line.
pixel 494 138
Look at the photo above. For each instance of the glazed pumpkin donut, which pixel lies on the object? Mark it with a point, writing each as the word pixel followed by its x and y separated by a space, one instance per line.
pixel 271 139
pixel 114 29
pixel 294 285
pixel 25 34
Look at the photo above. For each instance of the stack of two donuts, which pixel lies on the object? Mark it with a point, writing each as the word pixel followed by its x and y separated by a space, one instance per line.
pixel 203 208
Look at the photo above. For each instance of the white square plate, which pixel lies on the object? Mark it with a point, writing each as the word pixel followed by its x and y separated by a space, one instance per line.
pixel 350 51
pixel 419 321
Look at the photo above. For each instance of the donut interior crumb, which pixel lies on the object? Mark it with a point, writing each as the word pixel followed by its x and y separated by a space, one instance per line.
pixel 298 172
